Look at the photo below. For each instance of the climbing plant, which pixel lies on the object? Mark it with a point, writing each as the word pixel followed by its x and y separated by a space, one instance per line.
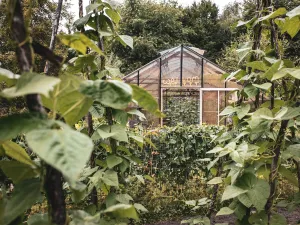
pixel 60 156
pixel 263 141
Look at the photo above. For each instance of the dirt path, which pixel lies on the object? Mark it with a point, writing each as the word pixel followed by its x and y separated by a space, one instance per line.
pixel 292 217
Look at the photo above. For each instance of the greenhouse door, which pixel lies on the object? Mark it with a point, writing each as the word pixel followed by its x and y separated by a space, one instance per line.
pixel 214 100
pixel 180 105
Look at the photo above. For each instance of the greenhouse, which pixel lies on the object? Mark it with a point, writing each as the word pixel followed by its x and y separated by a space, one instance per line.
pixel 188 87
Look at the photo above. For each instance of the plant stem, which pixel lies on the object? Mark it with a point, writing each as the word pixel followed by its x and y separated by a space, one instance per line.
pixel 53 182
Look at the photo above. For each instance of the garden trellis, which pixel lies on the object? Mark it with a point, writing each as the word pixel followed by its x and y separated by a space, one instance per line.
pixel 183 74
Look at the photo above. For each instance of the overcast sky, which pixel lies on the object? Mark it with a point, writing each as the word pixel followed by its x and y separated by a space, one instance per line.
pixel 220 3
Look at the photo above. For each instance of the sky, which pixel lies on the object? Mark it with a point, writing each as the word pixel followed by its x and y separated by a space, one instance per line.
pixel 220 4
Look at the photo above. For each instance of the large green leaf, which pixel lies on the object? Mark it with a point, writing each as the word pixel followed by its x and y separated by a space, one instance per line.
pixel 287 113
pixel 228 110
pixel 265 86
pixel 113 160
pixel 23 197
pixel 258 65
pixel 11 126
pixel 277 219
pixel 258 191
pixel 225 211
pixel 251 91
pixel 39 219
pixel 8 77
pixel 146 100
pixel 68 101
pixel 215 180
pixel 17 171
pixel 123 211
pixel 232 192
pixel 80 42
pixel 272 70
pixel 285 72
pixel 126 40
pixel 80 217
pixel 115 94
pixel 115 131
pixel 242 110
pixel 288 175
pixel 110 178
pixel 16 152
pixel 31 83
pixel 113 15
pixel 277 13
pixel 66 150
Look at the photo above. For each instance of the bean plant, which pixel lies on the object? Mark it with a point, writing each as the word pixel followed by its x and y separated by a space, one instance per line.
pixel 262 144
pixel 57 158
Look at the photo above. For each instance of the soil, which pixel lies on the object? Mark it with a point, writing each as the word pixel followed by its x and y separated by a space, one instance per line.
pixel 293 218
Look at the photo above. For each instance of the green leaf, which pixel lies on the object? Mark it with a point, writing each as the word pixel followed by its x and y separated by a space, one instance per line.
pixel 258 191
pixel 97 110
pixel 68 101
pixel 277 13
pixel 94 6
pixel 120 116
pixel 137 113
pixel 285 72
pixel 11 126
pixel 23 197
pixel 242 111
pixel 16 152
pixel 110 178
pixel 145 100
pixel 113 160
pixel 216 180
pixel 228 110
pixel 272 70
pixel 293 151
pixel 80 217
pixel 294 12
pixel 123 211
pixel 277 219
pixel 140 207
pixel 115 17
pixel 265 86
pixel 115 131
pixel 288 175
pixel 81 22
pixel 225 211
pixel 290 25
pixel 124 198
pixel 62 149
pixel 39 219
pixel 260 218
pixel 79 42
pixel 17 171
pixel 287 113
pixel 258 65
pixel 115 94
pixel 251 91
pixel 31 83
pixel 232 192
pixel 126 40
pixel 8 77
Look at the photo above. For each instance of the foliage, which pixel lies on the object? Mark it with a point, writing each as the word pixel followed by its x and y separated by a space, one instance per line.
pixel 159 26
pixel 180 152
pixel 258 141
pixel 60 153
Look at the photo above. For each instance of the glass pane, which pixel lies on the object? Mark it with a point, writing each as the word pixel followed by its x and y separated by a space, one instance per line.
pixel 171 68
pixel 191 70
pixel 213 76
pixel 131 78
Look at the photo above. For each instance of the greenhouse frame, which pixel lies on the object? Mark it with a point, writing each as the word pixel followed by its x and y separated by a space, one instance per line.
pixel 183 73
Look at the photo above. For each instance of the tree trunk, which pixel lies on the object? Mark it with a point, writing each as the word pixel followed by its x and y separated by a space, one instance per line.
pixel 54 32
pixel 53 187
